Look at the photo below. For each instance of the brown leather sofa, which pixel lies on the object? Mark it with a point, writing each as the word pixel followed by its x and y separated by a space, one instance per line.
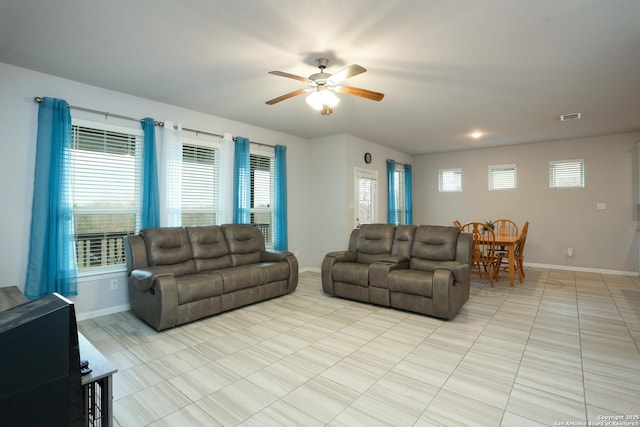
pixel 424 269
pixel 181 274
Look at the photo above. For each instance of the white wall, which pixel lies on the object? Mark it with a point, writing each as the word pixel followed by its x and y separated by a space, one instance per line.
pixel 332 189
pixel 18 115
pixel 559 218
pixel 320 186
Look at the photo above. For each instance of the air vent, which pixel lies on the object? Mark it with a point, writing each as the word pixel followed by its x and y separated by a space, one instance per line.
pixel 572 116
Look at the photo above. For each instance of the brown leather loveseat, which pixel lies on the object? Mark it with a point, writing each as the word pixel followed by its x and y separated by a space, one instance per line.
pixel 181 274
pixel 424 269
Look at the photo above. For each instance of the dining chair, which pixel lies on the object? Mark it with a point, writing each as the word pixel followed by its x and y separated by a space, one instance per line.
pixel 503 264
pixel 483 258
pixel 505 226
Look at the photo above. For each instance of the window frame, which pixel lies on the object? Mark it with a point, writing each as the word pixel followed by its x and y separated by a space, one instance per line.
pixel 215 147
pixel 401 195
pixel 138 134
pixel 442 182
pixel 269 236
pixel 554 174
pixel 372 175
pixel 493 180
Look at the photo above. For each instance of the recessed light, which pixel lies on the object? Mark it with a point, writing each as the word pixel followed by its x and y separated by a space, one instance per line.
pixel 476 134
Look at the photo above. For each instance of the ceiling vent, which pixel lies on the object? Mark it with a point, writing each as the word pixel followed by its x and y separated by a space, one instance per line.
pixel 572 116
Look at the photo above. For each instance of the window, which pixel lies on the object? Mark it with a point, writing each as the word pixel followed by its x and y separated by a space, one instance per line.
pixel 200 184
pixel 262 194
pixel 502 177
pixel 566 174
pixel 450 180
pixel 105 180
pixel 401 198
pixel 366 196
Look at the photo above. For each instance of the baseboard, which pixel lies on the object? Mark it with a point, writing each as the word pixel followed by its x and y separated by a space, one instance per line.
pixel 310 269
pixel 583 269
pixel 103 312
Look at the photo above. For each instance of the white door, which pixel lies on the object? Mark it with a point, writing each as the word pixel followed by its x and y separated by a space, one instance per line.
pixel 366 196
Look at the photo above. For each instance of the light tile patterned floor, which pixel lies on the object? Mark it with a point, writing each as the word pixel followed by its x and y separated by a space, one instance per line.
pixel 563 346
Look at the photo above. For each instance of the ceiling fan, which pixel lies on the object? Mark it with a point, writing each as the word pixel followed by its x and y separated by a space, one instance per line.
pixel 324 86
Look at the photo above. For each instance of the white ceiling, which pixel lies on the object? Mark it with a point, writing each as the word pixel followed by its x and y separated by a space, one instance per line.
pixel 508 68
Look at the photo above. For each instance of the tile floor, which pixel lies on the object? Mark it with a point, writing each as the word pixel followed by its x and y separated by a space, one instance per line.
pixel 563 346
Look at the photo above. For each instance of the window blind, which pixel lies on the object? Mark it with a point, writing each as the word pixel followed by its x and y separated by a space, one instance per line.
pixel 450 180
pixel 262 195
pixel 105 178
pixel 401 197
pixel 200 184
pixel 366 205
pixel 502 177
pixel 566 174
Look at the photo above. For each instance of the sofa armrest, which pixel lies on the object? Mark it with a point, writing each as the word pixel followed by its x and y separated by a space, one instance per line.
pixel 142 279
pixel 448 294
pixel 343 256
pixel 290 259
pixel 135 252
pixel 274 256
pixel 379 271
pixel 327 267
pixel 464 247
pixel 461 271
pixel 394 259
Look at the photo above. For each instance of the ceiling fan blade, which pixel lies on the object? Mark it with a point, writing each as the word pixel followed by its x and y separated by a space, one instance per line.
pixel 345 73
pixel 286 96
pixel 290 76
pixel 363 93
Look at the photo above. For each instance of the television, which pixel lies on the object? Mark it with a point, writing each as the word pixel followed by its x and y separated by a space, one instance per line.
pixel 40 380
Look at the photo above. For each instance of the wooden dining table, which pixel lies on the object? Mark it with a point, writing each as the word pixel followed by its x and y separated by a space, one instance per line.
pixel 508 241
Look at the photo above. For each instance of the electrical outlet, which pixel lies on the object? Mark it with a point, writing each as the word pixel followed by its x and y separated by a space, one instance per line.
pixel 114 284
pixel 570 251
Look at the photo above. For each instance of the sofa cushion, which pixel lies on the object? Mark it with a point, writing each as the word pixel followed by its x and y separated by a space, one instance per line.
pixel 374 241
pixel 403 240
pixel 434 243
pixel 354 273
pixel 209 247
pixel 169 245
pixel 240 277
pixel 245 243
pixel 194 287
pixel 413 282
pixel 272 271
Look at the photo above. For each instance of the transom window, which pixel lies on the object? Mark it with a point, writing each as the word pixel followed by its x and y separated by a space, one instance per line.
pixel 566 174
pixel 503 177
pixel 450 180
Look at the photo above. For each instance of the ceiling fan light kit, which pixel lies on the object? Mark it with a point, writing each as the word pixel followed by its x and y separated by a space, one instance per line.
pixel 321 97
pixel 324 86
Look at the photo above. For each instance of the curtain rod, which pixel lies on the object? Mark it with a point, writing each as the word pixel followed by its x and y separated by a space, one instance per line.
pixel 106 114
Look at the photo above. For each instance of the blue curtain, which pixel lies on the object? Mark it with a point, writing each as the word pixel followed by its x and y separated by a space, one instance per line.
pixel 150 204
pixel 408 193
pixel 280 208
pixel 52 265
pixel 392 213
pixel 241 182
